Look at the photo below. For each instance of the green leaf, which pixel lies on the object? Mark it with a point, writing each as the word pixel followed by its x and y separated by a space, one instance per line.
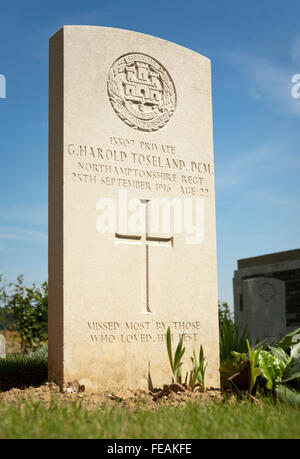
pixel 288 396
pixel 179 352
pixel 169 348
pixel 280 354
pixel 295 351
pixel 256 372
pixel 229 368
pixel 253 355
pixel 287 341
pixel 291 372
pixel 273 368
pixel 201 354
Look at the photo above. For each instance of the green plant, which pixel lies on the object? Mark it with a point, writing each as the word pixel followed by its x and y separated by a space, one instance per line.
pixel 288 340
pixel 278 366
pixel 22 370
pixel 32 361
pixel 242 371
pixel 175 362
pixel 29 308
pixel 272 369
pixel 290 396
pixel 289 362
pixel 255 371
pixel 230 340
pixel 197 374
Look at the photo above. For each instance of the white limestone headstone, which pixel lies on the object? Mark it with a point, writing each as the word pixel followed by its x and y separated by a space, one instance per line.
pixel 130 135
pixel 2 346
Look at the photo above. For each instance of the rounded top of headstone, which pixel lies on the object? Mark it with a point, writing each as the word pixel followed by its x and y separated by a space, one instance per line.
pixel 266 288
pixel 117 30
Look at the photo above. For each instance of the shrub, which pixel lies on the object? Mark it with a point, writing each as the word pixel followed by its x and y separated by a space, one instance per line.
pixel 29 309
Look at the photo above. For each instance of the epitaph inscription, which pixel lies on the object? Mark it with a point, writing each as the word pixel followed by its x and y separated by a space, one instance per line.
pixel 146 331
pixel 141 92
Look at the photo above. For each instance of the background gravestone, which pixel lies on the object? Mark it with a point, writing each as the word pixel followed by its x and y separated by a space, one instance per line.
pixel 284 266
pixel 2 346
pixel 128 113
pixel 263 309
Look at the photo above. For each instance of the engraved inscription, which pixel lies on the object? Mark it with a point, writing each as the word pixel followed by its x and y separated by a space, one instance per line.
pixel 148 332
pixel 141 92
pixel 126 163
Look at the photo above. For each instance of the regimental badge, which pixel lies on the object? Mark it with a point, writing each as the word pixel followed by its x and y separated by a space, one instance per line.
pixel 267 291
pixel 141 92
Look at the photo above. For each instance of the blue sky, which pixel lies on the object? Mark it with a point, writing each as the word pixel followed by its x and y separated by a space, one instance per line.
pixel 255 50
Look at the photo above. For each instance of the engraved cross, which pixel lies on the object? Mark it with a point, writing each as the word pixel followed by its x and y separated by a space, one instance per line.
pixel 145 240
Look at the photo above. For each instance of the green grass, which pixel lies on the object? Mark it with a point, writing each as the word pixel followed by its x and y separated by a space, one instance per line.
pixel 70 420
pixel 213 420
pixel 32 361
pixel 22 370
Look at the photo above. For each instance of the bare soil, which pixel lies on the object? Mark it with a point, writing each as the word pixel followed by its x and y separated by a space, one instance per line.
pixel 171 395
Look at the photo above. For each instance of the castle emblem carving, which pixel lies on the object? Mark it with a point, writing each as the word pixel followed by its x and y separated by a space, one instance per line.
pixel 141 92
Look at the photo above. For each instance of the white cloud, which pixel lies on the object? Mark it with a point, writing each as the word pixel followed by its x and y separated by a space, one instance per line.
pixel 21 234
pixel 275 199
pixel 240 169
pixel 256 174
pixel 269 81
pixel 36 215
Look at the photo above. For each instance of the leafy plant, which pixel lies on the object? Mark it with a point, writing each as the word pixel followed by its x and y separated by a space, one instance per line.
pixel 242 371
pixel 288 340
pixel 230 340
pixel 176 362
pixel 289 362
pixel 272 369
pixel 278 366
pixel 29 308
pixel 287 395
pixel 255 371
pixel 197 374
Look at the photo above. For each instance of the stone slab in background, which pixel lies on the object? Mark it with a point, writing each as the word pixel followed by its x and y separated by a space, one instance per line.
pixel 263 309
